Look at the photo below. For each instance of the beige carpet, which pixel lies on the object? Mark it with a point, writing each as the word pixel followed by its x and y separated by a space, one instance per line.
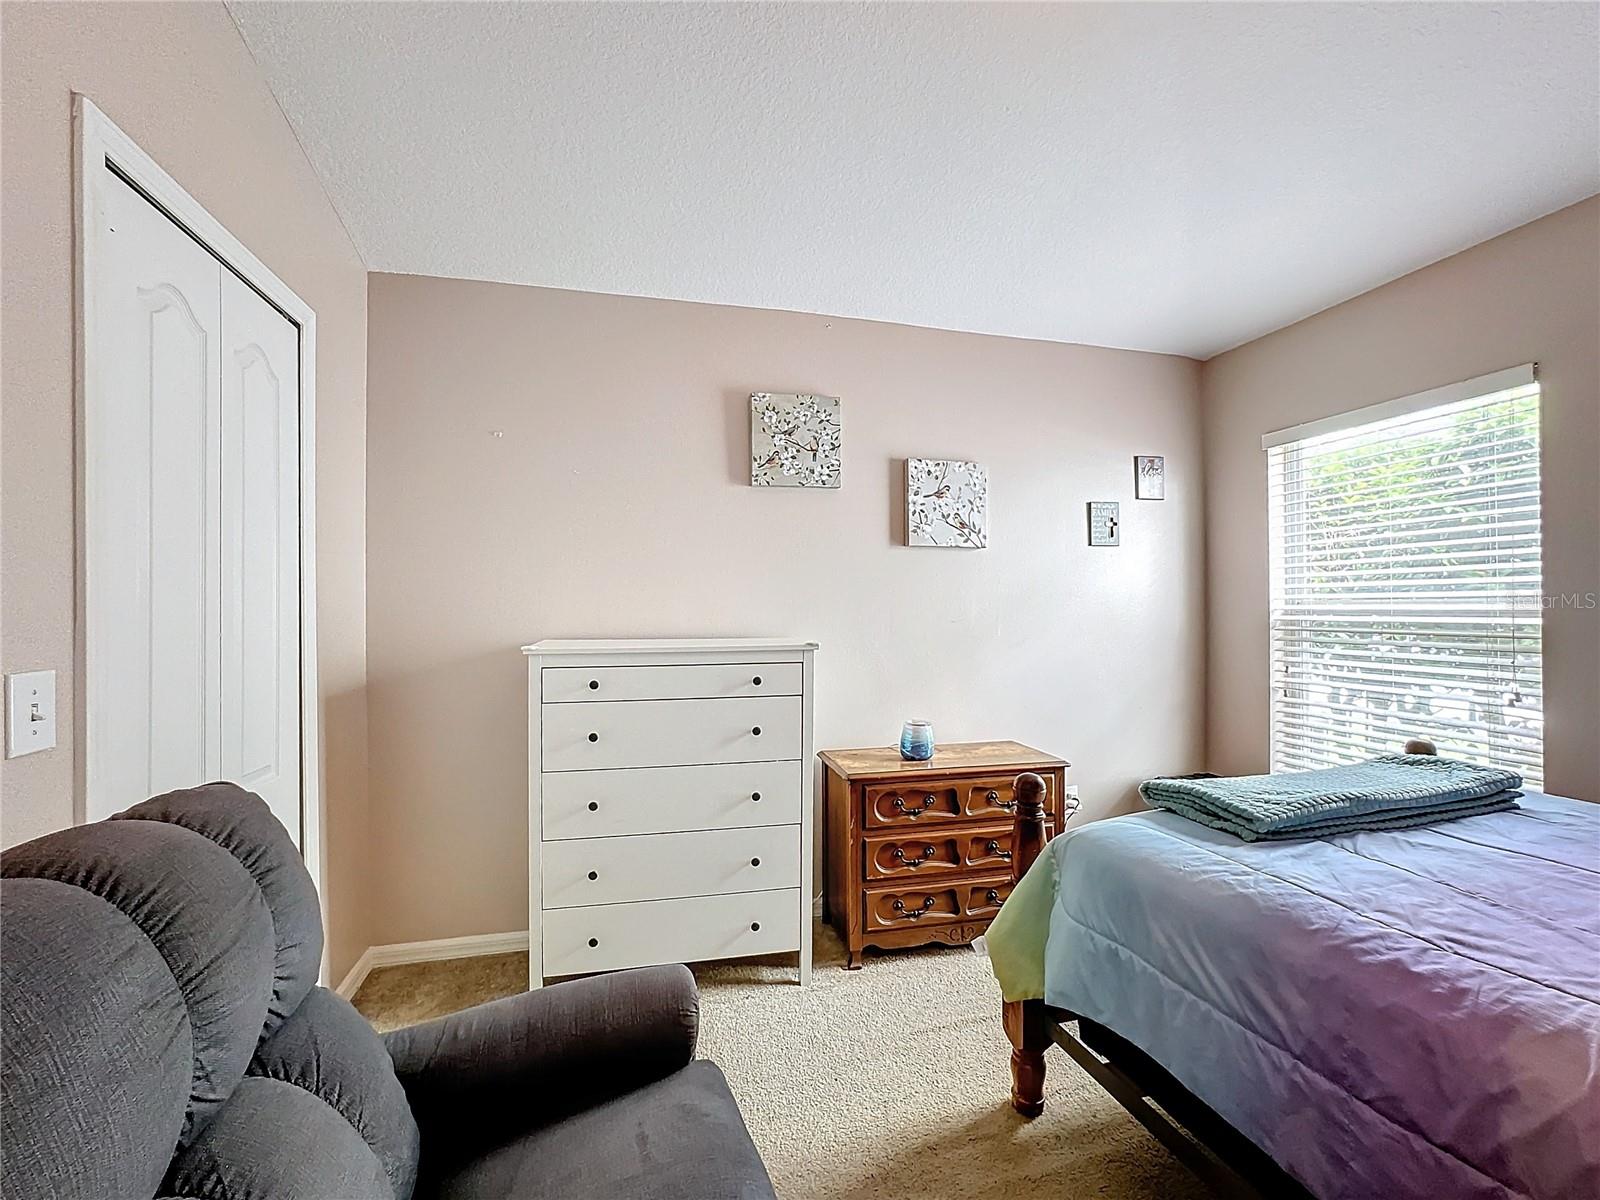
pixel 886 1082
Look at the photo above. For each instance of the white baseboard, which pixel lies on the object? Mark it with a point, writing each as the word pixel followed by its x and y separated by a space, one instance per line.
pixel 440 948
pixel 357 976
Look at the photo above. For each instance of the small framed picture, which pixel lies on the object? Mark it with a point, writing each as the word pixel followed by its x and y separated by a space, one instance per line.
pixel 1105 523
pixel 1149 477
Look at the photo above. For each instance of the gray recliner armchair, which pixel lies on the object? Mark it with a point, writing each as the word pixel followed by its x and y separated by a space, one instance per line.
pixel 163 1035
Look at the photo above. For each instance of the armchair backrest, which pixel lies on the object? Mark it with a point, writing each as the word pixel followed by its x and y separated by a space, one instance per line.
pixel 162 1029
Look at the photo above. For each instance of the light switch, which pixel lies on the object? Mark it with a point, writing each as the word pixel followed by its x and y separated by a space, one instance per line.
pixel 30 712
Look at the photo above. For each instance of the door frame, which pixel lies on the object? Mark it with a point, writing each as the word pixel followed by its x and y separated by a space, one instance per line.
pixel 97 144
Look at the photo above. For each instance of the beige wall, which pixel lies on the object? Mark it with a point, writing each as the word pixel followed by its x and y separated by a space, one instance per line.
pixel 617 502
pixel 1530 295
pixel 178 79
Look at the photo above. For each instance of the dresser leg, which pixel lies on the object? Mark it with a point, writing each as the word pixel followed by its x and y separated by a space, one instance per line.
pixel 1025 1026
pixel 852 959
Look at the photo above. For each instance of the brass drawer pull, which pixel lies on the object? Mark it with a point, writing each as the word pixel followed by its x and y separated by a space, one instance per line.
pixel 900 855
pixel 994 848
pixel 900 805
pixel 992 896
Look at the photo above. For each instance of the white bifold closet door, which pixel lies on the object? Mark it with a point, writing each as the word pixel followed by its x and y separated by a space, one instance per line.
pixel 192 562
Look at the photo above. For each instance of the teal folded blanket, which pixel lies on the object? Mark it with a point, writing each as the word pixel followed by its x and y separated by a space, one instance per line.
pixel 1393 791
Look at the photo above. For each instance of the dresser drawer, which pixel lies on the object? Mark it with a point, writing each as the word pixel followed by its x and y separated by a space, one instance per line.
pixel 586 804
pixel 709 681
pixel 607 937
pixel 995 798
pixel 938 901
pixel 663 733
pixel 937 852
pixel 926 802
pixel 660 866
pixel 983 899
pixel 903 908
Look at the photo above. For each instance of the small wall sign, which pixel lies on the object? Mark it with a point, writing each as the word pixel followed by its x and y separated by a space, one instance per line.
pixel 1149 477
pixel 1105 525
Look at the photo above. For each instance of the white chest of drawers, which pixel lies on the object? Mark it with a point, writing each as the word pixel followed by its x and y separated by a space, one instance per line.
pixel 669 802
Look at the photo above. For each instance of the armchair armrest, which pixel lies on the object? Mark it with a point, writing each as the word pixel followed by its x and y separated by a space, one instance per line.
pixel 478 1076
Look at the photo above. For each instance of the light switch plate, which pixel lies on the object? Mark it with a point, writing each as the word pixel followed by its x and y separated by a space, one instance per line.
pixel 30 712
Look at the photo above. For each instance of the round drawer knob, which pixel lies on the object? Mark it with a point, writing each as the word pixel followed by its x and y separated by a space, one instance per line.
pixel 594 685
pixel 593 942
pixel 992 796
pixel 992 895
pixel 594 737
pixel 755 862
pixel 756 681
pixel 756 731
pixel 594 875
pixel 593 807
pixel 755 926
pixel 755 795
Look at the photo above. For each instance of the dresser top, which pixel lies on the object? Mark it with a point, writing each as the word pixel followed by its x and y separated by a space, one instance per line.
pixel 875 761
pixel 667 646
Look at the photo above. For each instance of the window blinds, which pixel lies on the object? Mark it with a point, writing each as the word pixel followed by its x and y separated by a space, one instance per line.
pixel 1405 583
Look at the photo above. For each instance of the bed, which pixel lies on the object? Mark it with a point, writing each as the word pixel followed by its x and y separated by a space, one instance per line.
pixel 1412 1013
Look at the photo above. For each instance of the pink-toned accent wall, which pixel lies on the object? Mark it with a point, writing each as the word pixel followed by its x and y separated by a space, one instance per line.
pixel 179 80
pixel 616 501
pixel 1531 295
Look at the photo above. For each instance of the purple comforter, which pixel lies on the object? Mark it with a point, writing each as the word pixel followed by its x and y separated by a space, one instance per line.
pixel 1413 1013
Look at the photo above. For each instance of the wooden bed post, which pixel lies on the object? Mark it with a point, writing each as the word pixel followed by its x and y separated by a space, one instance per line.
pixel 1025 1019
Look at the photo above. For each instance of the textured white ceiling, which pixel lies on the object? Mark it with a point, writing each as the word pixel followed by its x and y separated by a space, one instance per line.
pixel 1158 176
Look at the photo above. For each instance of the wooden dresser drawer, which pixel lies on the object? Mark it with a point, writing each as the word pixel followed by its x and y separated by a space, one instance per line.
pixel 607 937
pixel 587 804
pixel 983 900
pixel 935 903
pixel 937 852
pixel 704 681
pixel 902 908
pixel 661 866
pixel 931 800
pixel 925 802
pixel 995 799
pixel 663 733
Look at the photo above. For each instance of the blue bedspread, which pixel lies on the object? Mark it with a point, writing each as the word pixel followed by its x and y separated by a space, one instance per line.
pixel 1407 1013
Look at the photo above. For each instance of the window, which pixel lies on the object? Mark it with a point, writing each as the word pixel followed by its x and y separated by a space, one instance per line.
pixel 1405 579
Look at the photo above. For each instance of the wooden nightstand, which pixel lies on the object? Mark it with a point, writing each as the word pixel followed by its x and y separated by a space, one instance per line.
pixel 920 852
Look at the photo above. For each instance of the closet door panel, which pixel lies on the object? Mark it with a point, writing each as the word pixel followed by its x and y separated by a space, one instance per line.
pixel 260 538
pixel 152 628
